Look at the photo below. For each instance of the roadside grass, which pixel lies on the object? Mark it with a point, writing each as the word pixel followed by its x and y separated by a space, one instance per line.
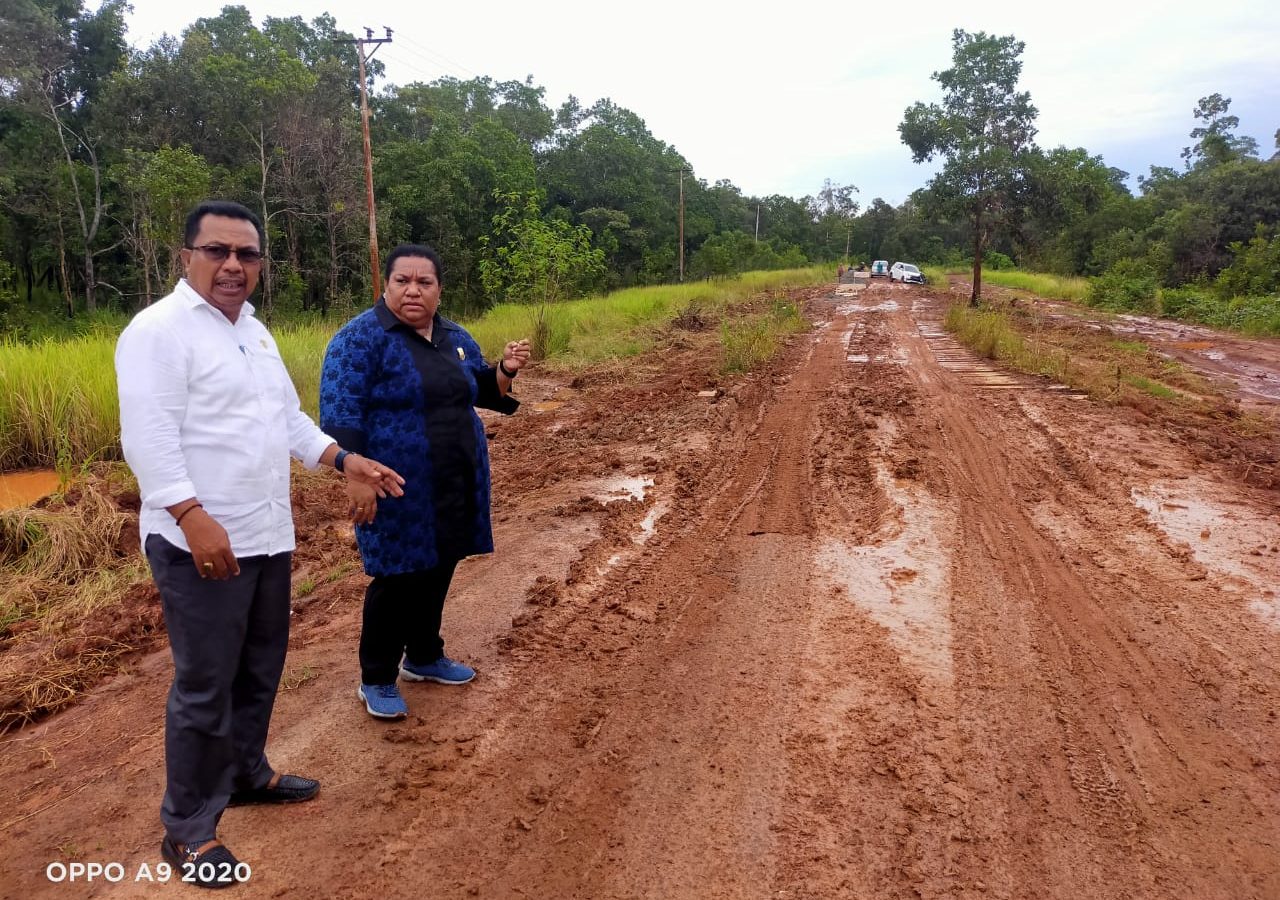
pixel 750 339
pixel 1154 388
pixel 937 275
pixel 1054 287
pixel 1107 369
pixel 626 323
pixel 58 405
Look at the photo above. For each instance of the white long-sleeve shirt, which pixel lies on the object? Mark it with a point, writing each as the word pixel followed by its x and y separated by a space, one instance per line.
pixel 207 410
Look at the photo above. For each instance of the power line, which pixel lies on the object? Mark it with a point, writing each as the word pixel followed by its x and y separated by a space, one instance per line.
pixel 412 68
pixel 440 57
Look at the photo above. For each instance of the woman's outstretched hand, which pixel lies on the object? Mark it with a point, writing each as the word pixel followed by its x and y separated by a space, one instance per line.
pixel 515 355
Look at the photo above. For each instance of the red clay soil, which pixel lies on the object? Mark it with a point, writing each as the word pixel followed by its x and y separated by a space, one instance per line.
pixel 877 623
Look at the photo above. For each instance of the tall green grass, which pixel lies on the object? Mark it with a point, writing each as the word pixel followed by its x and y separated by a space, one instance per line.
pixel 302 348
pixel 627 322
pixel 937 275
pixel 989 333
pixel 748 341
pixel 58 405
pixel 1055 287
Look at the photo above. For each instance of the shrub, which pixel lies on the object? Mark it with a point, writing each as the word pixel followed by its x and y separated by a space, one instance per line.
pixel 1128 285
pixel 994 259
pixel 1255 271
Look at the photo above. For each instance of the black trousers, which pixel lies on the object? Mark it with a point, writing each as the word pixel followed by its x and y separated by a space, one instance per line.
pixel 228 640
pixel 402 617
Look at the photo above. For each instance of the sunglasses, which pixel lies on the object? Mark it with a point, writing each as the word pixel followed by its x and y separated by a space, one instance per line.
pixel 219 252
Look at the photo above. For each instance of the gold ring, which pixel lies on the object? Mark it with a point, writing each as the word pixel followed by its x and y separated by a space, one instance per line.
pixel 208 566
pixel 359 509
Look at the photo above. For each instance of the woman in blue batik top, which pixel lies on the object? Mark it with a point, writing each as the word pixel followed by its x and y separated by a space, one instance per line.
pixel 400 384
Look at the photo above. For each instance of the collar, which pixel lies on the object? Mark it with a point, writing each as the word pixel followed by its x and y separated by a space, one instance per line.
pixel 387 319
pixel 193 300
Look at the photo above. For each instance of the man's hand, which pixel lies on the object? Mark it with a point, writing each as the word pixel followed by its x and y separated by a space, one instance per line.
pixel 382 479
pixel 362 502
pixel 210 546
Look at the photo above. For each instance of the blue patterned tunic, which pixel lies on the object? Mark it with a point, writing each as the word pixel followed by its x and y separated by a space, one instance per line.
pixel 389 394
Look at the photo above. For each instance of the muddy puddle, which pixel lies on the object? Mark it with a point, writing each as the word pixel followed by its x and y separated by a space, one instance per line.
pixel 900 576
pixel 1238 545
pixel 19 489
pixel 631 488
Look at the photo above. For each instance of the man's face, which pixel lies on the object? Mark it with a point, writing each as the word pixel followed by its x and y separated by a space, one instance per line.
pixel 225 283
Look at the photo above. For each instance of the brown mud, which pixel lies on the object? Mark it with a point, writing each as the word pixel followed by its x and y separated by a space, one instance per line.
pixel 882 621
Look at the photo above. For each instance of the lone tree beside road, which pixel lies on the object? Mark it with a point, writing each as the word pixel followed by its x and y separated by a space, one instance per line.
pixel 984 129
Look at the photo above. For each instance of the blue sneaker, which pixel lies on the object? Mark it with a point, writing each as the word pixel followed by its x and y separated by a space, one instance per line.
pixel 383 701
pixel 443 671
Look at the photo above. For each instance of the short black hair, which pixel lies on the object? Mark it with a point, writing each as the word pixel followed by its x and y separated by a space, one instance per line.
pixel 419 250
pixel 225 208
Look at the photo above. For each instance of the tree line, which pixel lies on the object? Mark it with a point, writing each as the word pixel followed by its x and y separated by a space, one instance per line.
pixel 104 147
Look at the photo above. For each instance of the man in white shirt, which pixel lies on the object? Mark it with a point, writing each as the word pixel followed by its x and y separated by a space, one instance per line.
pixel 209 419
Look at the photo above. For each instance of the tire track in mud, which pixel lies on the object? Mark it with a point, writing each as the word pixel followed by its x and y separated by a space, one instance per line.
pixel 692 720
pixel 1112 740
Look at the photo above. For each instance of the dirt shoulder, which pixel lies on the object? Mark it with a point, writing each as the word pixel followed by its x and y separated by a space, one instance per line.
pixel 882 621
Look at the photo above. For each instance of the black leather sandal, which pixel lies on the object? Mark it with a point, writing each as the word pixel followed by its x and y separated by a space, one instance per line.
pixel 215 868
pixel 288 789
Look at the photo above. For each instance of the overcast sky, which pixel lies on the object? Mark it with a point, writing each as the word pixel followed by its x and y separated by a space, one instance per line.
pixel 776 103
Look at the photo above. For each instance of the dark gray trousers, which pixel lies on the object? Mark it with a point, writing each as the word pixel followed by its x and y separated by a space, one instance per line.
pixel 228 640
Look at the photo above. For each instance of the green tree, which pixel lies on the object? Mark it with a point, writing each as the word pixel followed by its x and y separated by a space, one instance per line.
pixel 984 129
pixel 531 259
pixel 54 59
pixel 159 188
pixel 1215 142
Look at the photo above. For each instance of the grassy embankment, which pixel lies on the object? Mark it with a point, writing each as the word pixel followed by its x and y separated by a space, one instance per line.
pixel 1117 370
pixel 58 398
pixel 1054 287
pixel 1254 316
pixel 70 561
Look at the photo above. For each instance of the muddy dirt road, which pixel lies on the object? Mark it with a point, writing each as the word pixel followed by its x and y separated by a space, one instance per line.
pixel 881 622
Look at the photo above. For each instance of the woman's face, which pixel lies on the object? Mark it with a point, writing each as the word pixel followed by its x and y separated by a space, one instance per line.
pixel 413 290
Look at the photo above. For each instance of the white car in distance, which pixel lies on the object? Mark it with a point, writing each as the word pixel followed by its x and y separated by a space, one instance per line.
pixel 906 273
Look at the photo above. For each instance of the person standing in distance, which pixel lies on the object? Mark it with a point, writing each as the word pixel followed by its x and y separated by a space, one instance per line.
pixel 208 421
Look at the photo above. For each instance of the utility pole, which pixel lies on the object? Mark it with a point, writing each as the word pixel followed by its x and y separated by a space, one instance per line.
pixel 682 223
pixel 757 223
pixel 375 267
